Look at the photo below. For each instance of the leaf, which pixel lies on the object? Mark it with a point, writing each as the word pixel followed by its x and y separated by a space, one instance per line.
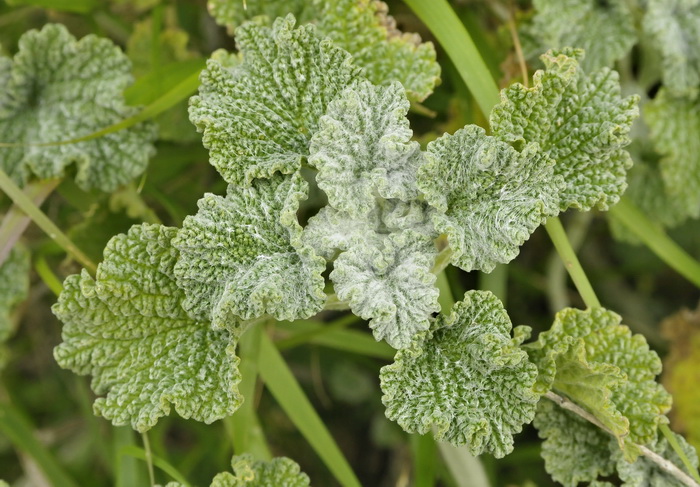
pixel 674 123
pixel 363 147
pixel 604 29
pixel 241 256
pixel 361 27
pixel 14 288
pixel 60 89
pixel 128 330
pixel 258 117
pixel 466 379
pixel 673 27
pixel 573 449
pixel 645 473
pixel 580 121
pixel 391 285
pixel 251 473
pixel 597 362
pixel 489 197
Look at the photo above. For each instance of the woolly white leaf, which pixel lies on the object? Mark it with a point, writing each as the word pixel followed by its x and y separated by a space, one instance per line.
pixel 127 329
pixel 466 378
pixel 490 197
pixel 14 287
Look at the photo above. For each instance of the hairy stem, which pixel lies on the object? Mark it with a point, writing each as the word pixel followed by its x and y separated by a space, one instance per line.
pixel 24 203
pixel 666 465
pixel 16 221
pixel 573 266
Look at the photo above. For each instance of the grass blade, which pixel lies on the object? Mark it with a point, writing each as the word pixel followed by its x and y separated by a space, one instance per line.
pixel 139 453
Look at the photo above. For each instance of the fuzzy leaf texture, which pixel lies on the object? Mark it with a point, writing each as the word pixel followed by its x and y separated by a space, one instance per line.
pixel 363 147
pixel 14 287
pixel 596 361
pixel 674 29
pixel 391 285
pixel 573 450
pixel 128 330
pixel 580 121
pixel 241 256
pixel 258 117
pixel 466 378
pixel 674 125
pixel 361 27
pixel 248 472
pixel 489 197
pixel 605 30
pixel 57 89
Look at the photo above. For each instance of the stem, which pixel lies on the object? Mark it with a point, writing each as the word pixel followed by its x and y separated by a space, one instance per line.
pixel 679 451
pixel 656 239
pixel 149 458
pixel 47 275
pixel 495 281
pixel 662 463
pixel 23 202
pixel 443 22
pixel 568 256
pixel 16 221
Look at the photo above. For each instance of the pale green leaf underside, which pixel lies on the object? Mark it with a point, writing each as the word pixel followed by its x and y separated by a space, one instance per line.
pixel 248 472
pixel 580 121
pixel 128 330
pixel 466 379
pixel 573 449
pixel 390 284
pixel 489 197
pixel 674 28
pixel 259 116
pixel 14 287
pixel 603 367
pixel 361 27
pixel 674 124
pixel 363 148
pixel 605 30
pixel 58 89
pixel 240 256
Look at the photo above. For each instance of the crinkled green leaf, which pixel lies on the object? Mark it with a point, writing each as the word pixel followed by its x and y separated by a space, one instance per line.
pixel 390 284
pixel 674 124
pixel 280 471
pixel 128 330
pixel 573 449
pixel 361 27
pixel 597 362
pixel 363 148
pixel 645 473
pixel 240 256
pixel 490 197
pixel 604 29
pixel 466 378
pixel 674 29
pixel 580 121
pixel 258 117
pixel 58 89
pixel 14 287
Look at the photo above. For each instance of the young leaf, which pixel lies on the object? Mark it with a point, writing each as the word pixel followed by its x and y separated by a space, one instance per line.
pixel 14 287
pixel 128 330
pixel 248 472
pixel 605 30
pixel 363 146
pixel 574 450
pixel 598 363
pixel 580 121
pixel 240 256
pixel 391 285
pixel 674 28
pixel 56 89
pixel 361 27
pixel 674 123
pixel 490 197
pixel 258 117
pixel 466 378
